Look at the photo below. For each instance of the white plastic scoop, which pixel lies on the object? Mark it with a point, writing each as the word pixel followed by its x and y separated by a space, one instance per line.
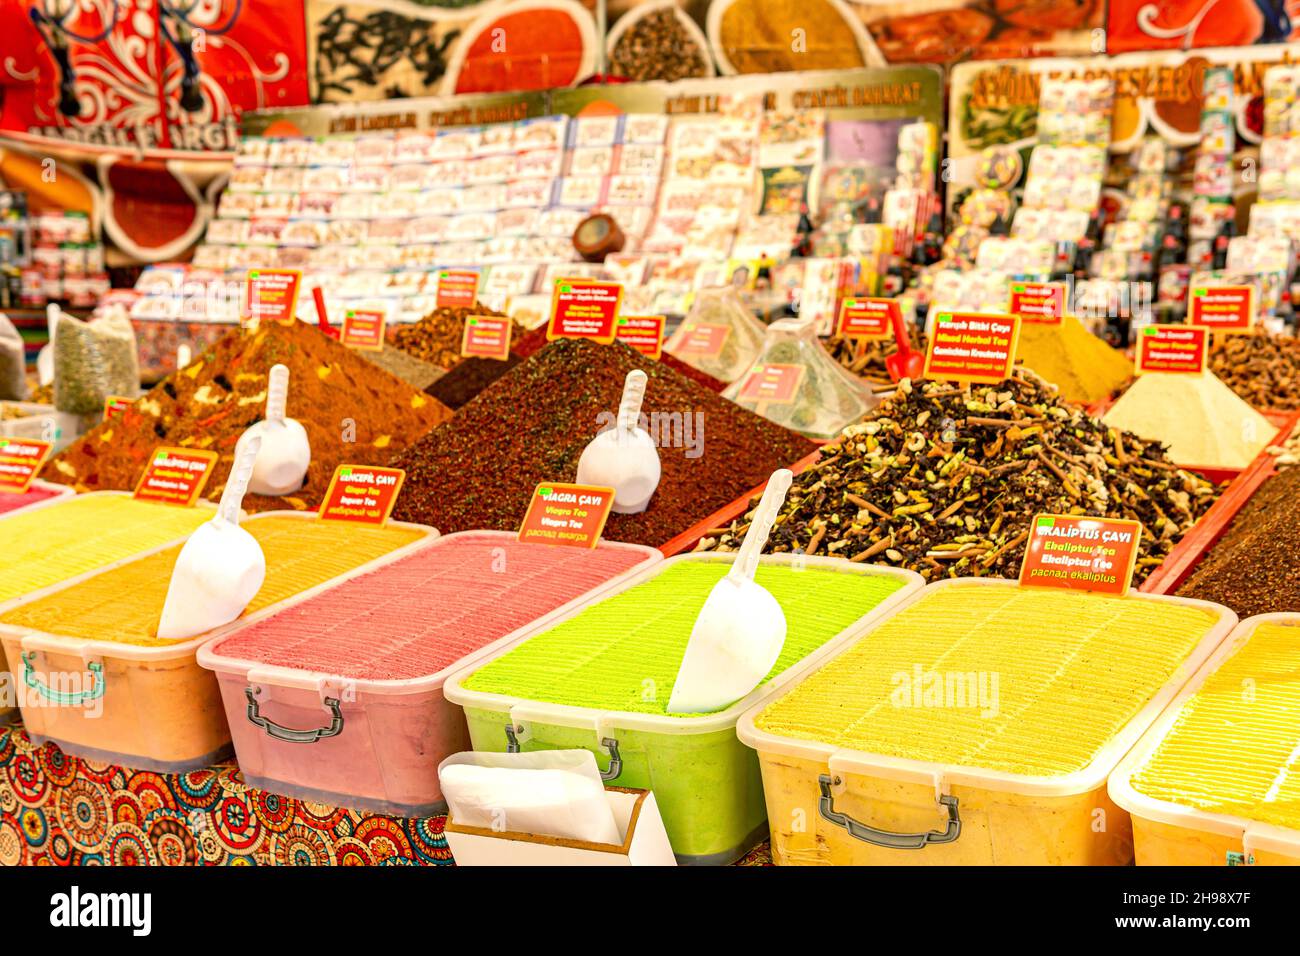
pixel 45 357
pixel 282 464
pixel 221 567
pixel 624 457
pixel 741 629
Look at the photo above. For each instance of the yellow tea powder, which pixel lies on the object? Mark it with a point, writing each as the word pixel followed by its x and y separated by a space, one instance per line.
pixel 1201 420
pixel 1082 367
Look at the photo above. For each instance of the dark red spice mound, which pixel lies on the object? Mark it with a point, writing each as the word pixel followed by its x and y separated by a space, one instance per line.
pixel 536 340
pixel 479 469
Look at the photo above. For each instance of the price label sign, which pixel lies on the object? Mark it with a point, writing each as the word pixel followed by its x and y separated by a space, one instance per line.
pixel 645 333
pixel 273 295
pixel 364 329
pixel 870 319
pixel 1038 302
pixel 773 384
pixel 115 405
pixel 703 339
pixel 362 494
pixel 21 459
pixel 572 515
pixel 457 289
pixel 584 309
pixel 1080 553
pixel 176 476
pixel 972 347
pixel 1173 348
pixel 1222 308
pixel 486 336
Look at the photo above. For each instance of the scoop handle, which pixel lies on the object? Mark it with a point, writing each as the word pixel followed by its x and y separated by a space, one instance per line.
pixel 629 410
pixel 51 319
pixel 237 484
pixel 277 393
pixel 183 356
pixel 769 507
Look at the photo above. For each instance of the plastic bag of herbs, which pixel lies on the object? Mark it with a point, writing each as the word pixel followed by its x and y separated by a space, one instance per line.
pixel 93 360
pixel 13 362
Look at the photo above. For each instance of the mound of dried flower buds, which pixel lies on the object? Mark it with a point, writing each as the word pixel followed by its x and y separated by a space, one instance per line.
pixel 945 480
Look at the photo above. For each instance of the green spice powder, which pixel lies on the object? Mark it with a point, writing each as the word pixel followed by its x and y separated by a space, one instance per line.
pixel 624 653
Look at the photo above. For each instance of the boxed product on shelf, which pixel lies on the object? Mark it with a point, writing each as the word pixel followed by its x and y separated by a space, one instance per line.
pixel 337 698
pixel 600 677
pixel 143 701
pixel 935 738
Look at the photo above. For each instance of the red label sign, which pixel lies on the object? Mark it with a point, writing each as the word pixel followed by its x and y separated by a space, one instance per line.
pixel 1222 308
pixel 176 476
pixel 704 340
pixel 1172 348
pixel 364 329
pixel 115 405
pixel 870 319
pixel 972 347
pixel 1079 553
pixel 645 333
pixel 571 515
pixel 364 494
pixel 775 384
pixel 1042 302
pixel 20 460
pixel 457 289
pixel 273 295
pixel 486 336
pixel 584 309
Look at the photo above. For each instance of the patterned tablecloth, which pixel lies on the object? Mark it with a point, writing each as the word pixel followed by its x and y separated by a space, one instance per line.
pixel 57 810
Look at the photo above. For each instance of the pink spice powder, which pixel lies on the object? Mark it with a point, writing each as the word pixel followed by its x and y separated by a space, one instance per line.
pixel 9 501
pixel 415 616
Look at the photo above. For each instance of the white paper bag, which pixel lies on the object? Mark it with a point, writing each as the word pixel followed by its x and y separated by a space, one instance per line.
pixel 550 792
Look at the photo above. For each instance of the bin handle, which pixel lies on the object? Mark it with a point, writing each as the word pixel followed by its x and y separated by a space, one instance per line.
pixel 895 841
pixel 609 743
pixel 63 697
pixel 280 732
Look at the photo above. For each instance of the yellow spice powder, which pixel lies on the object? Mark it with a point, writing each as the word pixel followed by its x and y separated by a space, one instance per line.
pixel 1235 747
pixel 1018 680
pixel 1082 367
pixel 760 36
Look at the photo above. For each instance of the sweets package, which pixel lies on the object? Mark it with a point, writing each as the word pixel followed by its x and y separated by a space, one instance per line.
pixel 93 360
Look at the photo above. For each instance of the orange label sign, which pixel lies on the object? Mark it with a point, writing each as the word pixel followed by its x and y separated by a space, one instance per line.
pixel 1172 348
pixel 115 405
pixel 572 515
pixel 776 384
pixel 645 333
pixel 273 295
pixel 1080 553
pixel 364 494
pixel 1042 302
pixel 584 309
pixel 972 347
pixel 20 460
pixel 870 318
pixel 1222 308
pixel 486 336
pixel 457 289
pixel 364 329
pixel 176 476
pixel 704 339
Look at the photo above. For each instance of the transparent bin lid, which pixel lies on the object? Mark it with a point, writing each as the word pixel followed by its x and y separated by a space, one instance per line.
pixel 795 382
pixel 719 335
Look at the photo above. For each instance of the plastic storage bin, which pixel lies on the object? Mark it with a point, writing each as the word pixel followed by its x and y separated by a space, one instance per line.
pixel 34 420
pixel 1216 780
pixel 97 682
pixel 37 493
pixel 599 678
pixel 976 726
pixel 337 697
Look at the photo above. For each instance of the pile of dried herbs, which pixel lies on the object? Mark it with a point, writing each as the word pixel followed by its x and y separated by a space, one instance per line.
pixel 945 480
pixel 1263 369
pixel 437 337
pixel 867 359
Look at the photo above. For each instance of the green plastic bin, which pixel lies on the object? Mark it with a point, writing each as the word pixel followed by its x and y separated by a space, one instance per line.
pixel 599 679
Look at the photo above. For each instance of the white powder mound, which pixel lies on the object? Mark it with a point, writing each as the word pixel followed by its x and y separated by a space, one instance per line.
pixel 1201 420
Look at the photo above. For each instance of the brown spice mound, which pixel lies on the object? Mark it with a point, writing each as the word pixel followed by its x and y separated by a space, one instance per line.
pixel 1255 567
pixel 479 470
pixel 1263 369
pixel 657 47
pixel 436 338
pixel 945 481
pixel 470 377
pixel 535 341
pixel 353 412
